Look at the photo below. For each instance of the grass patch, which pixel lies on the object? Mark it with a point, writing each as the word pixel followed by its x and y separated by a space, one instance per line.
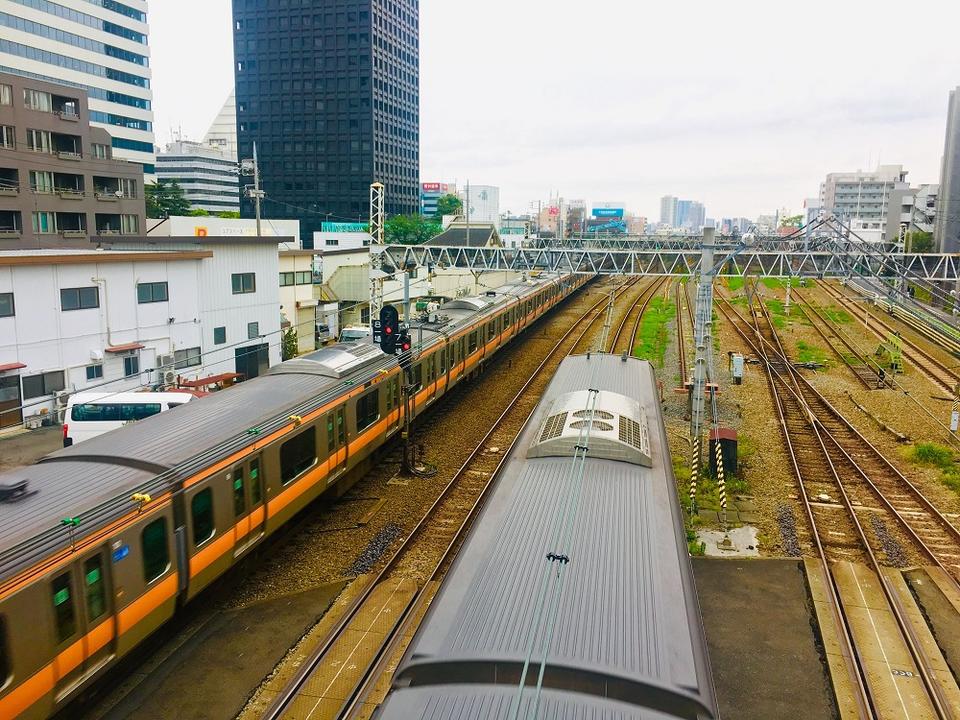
pixel 938 456
pixel 773 283
pixel 651 341
pixel 735 283
pixel 810 353
pixel 836 315
pixel 779 315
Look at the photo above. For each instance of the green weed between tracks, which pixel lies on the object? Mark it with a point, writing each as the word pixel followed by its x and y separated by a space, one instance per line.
pixel 938 456
pixel 651 341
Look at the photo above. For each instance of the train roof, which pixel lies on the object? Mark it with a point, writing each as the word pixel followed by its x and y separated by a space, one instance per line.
pixel 496 702
pixel 626 613
pixel 94 480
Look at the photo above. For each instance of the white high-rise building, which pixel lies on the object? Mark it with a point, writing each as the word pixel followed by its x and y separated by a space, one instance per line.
pixel 99 46
pixel 223 131
pixel 484 203
pixel 207 175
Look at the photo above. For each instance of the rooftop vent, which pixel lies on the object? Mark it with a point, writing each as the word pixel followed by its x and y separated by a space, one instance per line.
pixel 334 361
pixel 617 429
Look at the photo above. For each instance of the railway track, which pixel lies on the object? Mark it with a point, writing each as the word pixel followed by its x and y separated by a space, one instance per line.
pixel 863 368
pixel 945 378
pixel 850 493
pixel 339 677
pixel 623 342
pixel 682 300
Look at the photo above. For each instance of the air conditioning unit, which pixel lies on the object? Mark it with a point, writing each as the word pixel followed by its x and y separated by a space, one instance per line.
pixel 169 377
pixel 165 361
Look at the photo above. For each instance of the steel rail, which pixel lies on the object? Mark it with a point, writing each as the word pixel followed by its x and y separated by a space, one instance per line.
pixel 636 310
pixel 681 340
pixel 922 360
pixel 821 431
pixel 286 696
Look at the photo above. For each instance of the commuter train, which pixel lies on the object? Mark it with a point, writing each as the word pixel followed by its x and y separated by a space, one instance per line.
pixel 573 596
pixel 101 543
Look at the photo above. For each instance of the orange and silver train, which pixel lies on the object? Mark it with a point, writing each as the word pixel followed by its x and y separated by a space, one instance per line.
pixel 102 543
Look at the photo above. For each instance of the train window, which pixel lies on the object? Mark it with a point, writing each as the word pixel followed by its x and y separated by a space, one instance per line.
pixel 388 400
pixel 94 588
pixel 201 510
pixel 331 436
pixel 156 552
pixel 297 454
pixel 472 342
pixel 4 653
pixel 368 410
pixel 442 359
pixel 239 501
pixel 492 330
pixel 396 392
pixel 63 607
pixel 430 369
pixel 418 375
pixel 341 428
pixel 256 482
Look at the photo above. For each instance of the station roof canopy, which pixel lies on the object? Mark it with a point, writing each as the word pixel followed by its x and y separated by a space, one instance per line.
pixel 477 235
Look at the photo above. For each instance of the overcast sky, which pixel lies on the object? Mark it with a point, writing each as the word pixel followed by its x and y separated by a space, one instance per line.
pixel 739 104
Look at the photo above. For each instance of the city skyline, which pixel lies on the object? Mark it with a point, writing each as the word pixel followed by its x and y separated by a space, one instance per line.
pixel 738 124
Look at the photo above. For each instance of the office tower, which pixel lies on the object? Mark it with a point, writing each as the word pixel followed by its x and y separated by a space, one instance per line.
pixel 329 91
pixel 98 47
pixel 947 232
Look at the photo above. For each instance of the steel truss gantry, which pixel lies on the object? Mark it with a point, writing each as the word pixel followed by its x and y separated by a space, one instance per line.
pixel 832 260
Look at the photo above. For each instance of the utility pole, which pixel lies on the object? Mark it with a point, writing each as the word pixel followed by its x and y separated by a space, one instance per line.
pixel 252 167
pixel 703 337
pixel 467 212
pixel 376 247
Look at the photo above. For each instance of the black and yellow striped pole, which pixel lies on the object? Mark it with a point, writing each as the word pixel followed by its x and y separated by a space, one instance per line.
pixel 721 483
pixel 694 472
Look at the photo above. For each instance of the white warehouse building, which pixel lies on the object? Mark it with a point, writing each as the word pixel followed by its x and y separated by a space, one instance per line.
pixel 137 313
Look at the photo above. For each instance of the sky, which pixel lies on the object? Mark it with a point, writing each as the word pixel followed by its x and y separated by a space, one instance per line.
pixel 744 105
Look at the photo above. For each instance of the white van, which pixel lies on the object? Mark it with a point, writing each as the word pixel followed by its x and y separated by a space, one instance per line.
pixel 90 414
pixel 354 333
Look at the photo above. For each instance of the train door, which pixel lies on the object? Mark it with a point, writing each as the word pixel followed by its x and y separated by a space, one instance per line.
pixel 336 442
pixel 248 511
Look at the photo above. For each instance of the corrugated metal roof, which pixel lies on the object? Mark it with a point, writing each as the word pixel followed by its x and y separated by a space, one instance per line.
pixel 494 702
pixel 626 609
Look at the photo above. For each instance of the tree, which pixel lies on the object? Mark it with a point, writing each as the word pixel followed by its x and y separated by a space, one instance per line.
pixel 448 205
pixel 165 198
pixel 229 215
pixel 918 242
pixel 794 221
pixel 410 229
pixel 288 344
pixel 197 212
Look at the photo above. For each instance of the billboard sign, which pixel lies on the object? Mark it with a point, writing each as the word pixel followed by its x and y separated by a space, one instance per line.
pixel 434 187
pixel 606 226
pixel 608 212
pixel 344 227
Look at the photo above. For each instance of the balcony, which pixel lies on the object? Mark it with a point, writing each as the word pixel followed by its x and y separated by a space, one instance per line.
pixel 68 186
pixel 110 224
pixel 72 224
pixel 66 108
pixel 111 189
pixel 66 147
pixel 10 224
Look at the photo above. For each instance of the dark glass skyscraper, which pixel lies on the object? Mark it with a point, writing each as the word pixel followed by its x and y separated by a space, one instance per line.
pixel 329 90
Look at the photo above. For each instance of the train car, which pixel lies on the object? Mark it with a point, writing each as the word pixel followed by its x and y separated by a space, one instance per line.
pixel 573 596
pixel 102 543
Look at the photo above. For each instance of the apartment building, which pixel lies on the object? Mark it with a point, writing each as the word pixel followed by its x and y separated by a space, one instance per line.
pixel 59 182
pixel 862 199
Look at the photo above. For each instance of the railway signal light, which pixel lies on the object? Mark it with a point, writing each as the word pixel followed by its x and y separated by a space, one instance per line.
pixel 386 330
pixel 404 349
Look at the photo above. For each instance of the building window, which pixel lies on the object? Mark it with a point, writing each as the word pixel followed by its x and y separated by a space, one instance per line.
pixel 101 152
pixel 41 181
pixel 151 292
pixel 297 455
pixel 94 372
pixel 286 279
pixel 129 224
pixel 201 510
pixel 79 298
pixel 6 98
pixel 156 552
pixel 6 307
pixel 332 242
pixel 44 223
pixel 43 384
pixel 8 137
pixel 305 278
pixel 365 316
pixel 128 187
pixel 219 335
pixel 38 140
pixel 253 330
pixel 244 283
pixel 37 100
pixel 186 358
pixel 131 366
